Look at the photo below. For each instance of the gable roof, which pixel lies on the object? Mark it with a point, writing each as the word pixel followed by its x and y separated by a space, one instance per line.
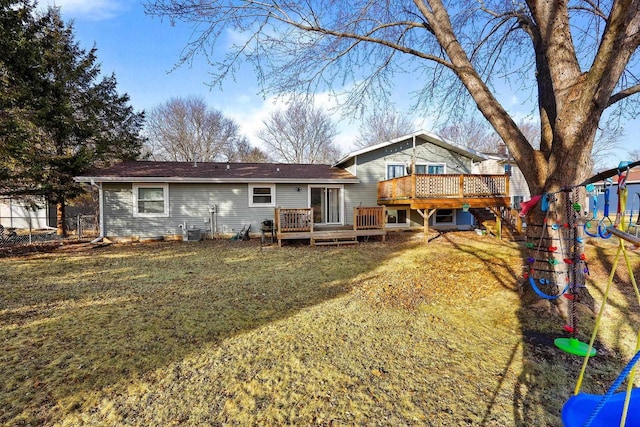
pixel 425 136
pixel 214 172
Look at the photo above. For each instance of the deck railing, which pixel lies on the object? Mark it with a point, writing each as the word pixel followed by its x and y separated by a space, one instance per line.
pixel 301 219
pixel 368 218
pixel 297 219
pixel 424 186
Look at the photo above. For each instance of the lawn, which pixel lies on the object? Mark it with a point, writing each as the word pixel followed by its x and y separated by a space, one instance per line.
pixel 229 333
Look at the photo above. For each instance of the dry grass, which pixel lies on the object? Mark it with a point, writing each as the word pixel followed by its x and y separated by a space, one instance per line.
pixel 224 333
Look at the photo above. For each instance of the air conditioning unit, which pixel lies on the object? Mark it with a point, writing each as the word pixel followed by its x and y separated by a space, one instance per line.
pixel 192 235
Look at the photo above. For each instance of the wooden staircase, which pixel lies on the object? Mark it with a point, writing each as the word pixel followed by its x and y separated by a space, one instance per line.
pixel 508 218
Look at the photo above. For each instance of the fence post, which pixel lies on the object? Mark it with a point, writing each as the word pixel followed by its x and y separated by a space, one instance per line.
pixel 30 230
pixel 79 227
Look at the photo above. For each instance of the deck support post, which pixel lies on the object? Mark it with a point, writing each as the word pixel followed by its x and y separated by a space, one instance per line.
pixel 426 214
pixel 498 215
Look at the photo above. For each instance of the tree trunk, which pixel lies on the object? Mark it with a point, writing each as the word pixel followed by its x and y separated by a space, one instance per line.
pixel 555 261
pixel 61 218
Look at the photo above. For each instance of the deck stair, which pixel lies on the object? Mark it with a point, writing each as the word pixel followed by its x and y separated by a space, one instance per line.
pixel 487 219
pixel 334 237
pixel 335 241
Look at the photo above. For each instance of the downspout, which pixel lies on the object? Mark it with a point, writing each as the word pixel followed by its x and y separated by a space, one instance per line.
pixel 101 211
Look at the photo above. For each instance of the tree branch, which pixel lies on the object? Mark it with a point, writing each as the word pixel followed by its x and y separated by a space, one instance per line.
pixel 619 96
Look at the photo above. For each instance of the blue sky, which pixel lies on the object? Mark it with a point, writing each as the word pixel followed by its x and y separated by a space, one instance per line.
pixel 143 52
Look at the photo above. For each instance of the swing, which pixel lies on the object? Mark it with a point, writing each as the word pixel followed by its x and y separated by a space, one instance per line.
pixel 634 225
pixel 591 226
pixel 610 409
pixel 605 221
pixel 594 410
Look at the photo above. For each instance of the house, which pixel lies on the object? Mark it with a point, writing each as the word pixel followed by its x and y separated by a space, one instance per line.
pixel 149 199
pixel 631 212
pixel 29 214
pixel 425 163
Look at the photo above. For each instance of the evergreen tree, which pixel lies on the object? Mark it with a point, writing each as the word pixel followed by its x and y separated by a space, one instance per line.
pixel 68 119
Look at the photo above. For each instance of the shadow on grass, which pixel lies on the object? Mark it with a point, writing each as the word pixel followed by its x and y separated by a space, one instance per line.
pixel 548 375
pixel 74 324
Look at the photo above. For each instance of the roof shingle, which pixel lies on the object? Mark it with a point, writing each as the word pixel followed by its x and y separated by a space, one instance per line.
pixel 214 171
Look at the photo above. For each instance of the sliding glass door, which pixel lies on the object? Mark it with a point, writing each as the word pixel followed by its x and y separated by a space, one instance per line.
pixel 327 204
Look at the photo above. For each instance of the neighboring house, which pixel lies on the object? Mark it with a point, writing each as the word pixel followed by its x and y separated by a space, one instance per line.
pixel 631 210
pixel 26 214
pixel 148 199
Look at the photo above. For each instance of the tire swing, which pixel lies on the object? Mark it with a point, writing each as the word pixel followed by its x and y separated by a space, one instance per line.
pixel 613 408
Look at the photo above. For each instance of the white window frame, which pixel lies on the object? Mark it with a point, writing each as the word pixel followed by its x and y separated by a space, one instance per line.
pixel 341 200
pixel 426 165
pixel 253 204
pixel 386 168
pixel 399 224
pixel 136 200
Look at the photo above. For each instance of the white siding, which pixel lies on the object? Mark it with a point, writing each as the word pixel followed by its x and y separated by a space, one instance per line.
pixel 18 214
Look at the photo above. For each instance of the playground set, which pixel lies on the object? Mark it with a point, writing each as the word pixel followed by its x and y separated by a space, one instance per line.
pixel 562 241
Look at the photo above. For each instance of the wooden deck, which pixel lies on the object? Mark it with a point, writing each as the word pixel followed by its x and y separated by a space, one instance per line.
pixel 297 224
pixel 445 191
pixel 427 193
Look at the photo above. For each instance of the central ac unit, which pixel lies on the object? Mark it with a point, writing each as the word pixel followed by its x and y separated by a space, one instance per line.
pixel 192 235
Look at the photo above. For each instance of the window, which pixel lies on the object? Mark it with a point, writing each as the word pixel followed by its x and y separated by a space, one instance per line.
pixel 397 217
pixel 262 195
pixel 438 168
pixel 507 169
pixel 515 202
pixel 444 216
pixel 395 170
pixel 150 200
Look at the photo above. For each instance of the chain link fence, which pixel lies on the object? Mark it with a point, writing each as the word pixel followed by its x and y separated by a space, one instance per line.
pixel 83 227
pixel 80 227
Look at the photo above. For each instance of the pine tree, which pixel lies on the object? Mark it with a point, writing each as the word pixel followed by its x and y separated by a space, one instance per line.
pixel 65 118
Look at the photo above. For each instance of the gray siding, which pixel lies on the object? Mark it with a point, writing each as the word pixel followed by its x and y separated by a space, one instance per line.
pixel 371 169
pixel 189 204
pixel 118 209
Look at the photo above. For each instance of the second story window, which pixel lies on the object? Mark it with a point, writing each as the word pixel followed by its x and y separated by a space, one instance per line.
pixel 430 168
pixel 395 170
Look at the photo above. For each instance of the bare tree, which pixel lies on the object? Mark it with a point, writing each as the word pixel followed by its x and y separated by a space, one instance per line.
pixel 472 134
pixel 607 140
pixel 382 125
pixel 244 152
pixel 186 130
pixel 300 133
pixel 577 55
pixel 479 136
